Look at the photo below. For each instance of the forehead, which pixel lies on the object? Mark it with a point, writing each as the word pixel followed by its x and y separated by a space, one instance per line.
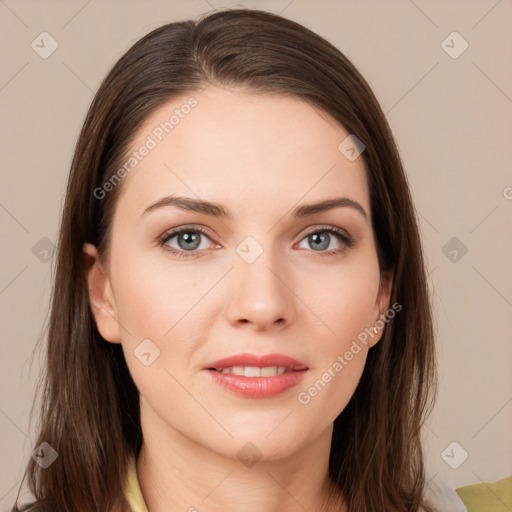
pixel 229 145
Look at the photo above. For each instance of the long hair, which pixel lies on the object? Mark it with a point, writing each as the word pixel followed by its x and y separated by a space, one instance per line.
pixel 90 405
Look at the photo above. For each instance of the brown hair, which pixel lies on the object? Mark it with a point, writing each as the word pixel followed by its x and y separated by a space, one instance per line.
pixel 90 404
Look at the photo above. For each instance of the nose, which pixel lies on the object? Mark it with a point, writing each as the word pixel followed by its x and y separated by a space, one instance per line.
pixel 261 294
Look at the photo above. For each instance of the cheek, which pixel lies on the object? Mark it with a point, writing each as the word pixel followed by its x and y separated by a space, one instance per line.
pixel 151 300
pixel 152 307
pixel 345 301
pixel 347 310
pixel 165 307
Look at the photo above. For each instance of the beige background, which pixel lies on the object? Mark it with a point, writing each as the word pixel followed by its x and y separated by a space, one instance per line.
pixel 452 118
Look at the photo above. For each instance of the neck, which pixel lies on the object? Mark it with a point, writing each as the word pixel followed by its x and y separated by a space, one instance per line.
pixel 176 473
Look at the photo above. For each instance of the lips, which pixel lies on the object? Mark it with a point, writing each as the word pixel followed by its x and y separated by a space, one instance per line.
pixel 255 376
pixel 263 361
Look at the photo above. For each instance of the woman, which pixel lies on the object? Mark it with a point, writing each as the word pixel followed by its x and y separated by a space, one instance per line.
pixel 240 318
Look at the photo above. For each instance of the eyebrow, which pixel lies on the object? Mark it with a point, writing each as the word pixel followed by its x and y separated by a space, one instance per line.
pixel 217 210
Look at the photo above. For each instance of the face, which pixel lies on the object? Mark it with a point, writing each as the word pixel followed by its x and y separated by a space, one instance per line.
pixel 256 274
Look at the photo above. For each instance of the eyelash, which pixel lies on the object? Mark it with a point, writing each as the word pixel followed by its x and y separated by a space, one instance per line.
pixel 346 239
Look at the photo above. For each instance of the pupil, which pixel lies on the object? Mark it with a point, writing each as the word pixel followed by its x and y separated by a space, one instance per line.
pixel 189 238
pixel 316 237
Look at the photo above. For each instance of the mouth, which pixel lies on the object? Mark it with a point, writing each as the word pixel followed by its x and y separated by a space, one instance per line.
pixel 254 376
pixel 254 371
pixel 252 362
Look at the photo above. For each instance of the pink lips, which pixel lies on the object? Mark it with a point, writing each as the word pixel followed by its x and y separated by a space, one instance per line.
pixel 257 387
pixel 261 361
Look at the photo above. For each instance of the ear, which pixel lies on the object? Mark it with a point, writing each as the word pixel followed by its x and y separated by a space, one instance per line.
pixel 382 304
pixel 101 297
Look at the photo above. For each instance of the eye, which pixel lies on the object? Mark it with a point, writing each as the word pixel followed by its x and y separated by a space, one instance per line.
pixel 321 239
pixel 188 240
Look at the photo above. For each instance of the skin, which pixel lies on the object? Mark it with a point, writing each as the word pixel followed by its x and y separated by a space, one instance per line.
pixel 259 156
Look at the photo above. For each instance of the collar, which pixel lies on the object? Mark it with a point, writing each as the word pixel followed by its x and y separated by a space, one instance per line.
pixel 132 489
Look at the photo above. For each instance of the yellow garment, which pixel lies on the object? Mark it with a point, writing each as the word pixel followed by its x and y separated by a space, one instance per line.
pixel 133 492
pixel 488 497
